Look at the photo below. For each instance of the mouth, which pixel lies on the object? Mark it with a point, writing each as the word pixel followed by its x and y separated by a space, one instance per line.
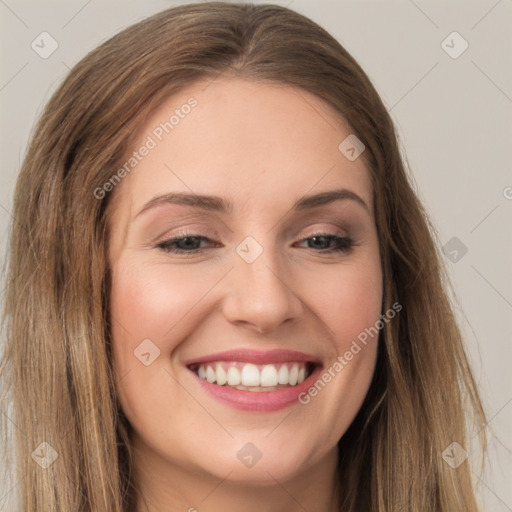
pixel 252 377
pixel 253 380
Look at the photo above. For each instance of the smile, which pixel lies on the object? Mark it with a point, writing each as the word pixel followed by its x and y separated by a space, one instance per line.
pixel 253 380
pixel 252 377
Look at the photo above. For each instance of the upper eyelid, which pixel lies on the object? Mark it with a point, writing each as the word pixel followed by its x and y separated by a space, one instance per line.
pixel 325 214
pixel 343 229
pixel 211 237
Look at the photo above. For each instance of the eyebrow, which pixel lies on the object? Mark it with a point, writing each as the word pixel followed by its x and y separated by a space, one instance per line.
pixel 221 205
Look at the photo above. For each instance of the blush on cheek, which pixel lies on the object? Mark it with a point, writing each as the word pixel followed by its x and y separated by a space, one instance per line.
pixel 155 302
pixel 347 304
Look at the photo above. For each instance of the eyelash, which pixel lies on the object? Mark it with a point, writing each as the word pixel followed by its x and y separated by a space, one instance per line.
pixel 344 244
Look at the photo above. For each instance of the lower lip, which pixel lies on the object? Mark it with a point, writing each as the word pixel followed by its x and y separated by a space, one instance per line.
pixel 261 401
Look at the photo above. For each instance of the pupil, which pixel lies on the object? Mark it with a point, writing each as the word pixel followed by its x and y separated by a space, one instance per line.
pixel 319 239
pixel 189 241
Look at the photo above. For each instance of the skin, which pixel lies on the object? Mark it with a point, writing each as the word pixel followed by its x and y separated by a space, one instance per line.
pixel 261 146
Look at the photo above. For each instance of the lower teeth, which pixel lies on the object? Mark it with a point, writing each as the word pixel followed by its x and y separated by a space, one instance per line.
pixel 260 388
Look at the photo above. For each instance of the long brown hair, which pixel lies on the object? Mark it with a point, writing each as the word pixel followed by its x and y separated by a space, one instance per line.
pixel 57 364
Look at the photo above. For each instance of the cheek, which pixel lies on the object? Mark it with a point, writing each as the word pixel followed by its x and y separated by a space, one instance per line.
pixel 359 306
pixel 152 308
pixel 347 300
pixel 152 302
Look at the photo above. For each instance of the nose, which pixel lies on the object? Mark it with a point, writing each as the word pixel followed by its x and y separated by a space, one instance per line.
pixel 259 295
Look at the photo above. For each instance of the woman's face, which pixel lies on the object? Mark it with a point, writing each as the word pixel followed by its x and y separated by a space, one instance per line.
pixel 217 347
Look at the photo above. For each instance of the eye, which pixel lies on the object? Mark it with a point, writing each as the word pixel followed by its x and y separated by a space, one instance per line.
pixel 190 243
pixel 324 241
pixel 186 243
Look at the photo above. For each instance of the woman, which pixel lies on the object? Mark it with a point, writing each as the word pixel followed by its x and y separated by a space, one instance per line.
pixel 223 291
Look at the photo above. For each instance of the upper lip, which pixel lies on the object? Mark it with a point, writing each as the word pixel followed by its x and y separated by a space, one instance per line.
pixel 256 357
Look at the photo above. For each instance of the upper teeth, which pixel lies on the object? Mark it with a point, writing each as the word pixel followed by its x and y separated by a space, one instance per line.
pixel 251 375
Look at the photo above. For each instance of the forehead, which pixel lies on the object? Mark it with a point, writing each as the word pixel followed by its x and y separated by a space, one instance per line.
pixel 256 143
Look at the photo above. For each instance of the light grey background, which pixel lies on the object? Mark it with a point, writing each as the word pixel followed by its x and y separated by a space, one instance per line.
pixel 454 118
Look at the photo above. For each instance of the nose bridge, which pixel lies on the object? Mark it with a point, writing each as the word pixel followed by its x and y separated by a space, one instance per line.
pixel 260 295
